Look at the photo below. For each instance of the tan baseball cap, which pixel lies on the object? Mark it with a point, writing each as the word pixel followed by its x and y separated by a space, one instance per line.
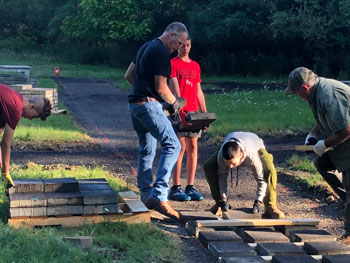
pixel 297 78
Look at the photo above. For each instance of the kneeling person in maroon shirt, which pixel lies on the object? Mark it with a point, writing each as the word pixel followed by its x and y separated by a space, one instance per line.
pixel 12 107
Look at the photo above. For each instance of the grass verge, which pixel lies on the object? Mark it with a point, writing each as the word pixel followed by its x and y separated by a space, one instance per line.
pixel 262 111
pixel 306 174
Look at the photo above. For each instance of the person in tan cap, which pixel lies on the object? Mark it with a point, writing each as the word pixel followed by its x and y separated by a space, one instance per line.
pixel 329 101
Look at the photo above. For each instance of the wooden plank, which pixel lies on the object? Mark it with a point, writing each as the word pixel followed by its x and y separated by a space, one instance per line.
pixel 257 222
pixel 304 148
pixel 76 221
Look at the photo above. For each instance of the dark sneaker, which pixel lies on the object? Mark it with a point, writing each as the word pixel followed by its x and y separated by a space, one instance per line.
pixel 177 194
pixel 193 194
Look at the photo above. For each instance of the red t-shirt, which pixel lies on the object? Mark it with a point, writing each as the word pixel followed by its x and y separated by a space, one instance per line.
pixel 188 75
pixel 11 106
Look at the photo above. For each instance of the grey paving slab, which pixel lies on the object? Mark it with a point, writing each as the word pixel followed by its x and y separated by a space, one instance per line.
pixel 61 185
pixel 309 235
pixel 64 198
pixel 271 249
pixel 326 248
pixel 207 236
pixel 264 237
pixel 136 206
pixel 293 259
pixel 93 181
pixel 240 230
pixel 27 186
pixel 230 249
pixel 99 197
pixel 193 215
pixel 100 209
pixel 27 200
pixel 194 230
pixel 127 195
pixel 27 211
pixel 251 259
pixel 286 229
pixel 64 210
pixel 94 186
pixel 336 259
pixel 241 214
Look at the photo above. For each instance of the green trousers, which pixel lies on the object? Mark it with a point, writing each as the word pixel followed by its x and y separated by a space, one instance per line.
pixel 270 175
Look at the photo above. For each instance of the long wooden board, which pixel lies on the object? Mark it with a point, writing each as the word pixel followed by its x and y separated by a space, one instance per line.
pixel 76 221
pixel 257 222
pixel 304 148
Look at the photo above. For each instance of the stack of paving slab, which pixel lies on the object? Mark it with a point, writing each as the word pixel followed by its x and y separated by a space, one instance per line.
pixel 247 238
pixel 14 74
pixel 68 197
pixel 27 90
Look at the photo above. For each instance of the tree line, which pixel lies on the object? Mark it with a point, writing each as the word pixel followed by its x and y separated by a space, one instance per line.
pixel 246 37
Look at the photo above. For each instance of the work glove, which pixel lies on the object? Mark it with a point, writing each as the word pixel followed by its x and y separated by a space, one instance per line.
pixel 223 203
pixel 257 207
pixel 172 108
pixel 311 139
pixel 320 148
pixel 7 180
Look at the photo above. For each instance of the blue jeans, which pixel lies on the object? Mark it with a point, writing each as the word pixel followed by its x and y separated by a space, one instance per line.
pixel 151 125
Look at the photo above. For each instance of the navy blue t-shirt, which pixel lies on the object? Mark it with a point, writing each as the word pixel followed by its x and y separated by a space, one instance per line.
pixel 153 59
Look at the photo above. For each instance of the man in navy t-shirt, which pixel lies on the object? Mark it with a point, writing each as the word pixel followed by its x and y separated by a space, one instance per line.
pixel 148 76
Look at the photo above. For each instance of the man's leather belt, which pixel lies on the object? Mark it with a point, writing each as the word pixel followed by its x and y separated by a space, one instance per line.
pixel 142 99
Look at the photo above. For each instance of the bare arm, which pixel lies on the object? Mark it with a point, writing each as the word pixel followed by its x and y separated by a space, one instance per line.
pixel 6 149
pixel 174 85
pixel 163 90
pixel 338 137
pixel 130 73
pixel 201 99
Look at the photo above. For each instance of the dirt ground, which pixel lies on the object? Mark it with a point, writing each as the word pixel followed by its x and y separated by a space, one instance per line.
pixel 101 108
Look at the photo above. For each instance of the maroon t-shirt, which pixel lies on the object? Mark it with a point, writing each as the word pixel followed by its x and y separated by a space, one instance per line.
pixel 11 106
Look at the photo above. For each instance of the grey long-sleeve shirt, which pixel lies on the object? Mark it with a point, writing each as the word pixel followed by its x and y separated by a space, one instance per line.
pixel 250 144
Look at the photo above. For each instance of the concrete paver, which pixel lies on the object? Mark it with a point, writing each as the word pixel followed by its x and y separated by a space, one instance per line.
pixel 310 235
pixel 27 186
pixel 326 248
pixel 293 259
pixel 264 237
pixel 251 259
pixel 83 242
pixel 27 200
pixel 64 198
pixel 207 236
pixel 270 249
pixel 193 215
pixel 230 248
pixel 336 259
pixel 61 185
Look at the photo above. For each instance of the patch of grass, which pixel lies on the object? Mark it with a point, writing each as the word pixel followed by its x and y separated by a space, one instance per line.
pixel 311 178
pixel 261 111
pixel 56 129
pixel 246 79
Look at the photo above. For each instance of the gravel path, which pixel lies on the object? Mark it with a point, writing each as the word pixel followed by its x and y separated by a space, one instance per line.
pixel 101 109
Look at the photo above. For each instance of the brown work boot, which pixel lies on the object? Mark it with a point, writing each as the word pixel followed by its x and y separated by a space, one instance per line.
pixel 162 207
pixel 273 212
pixel 345 239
